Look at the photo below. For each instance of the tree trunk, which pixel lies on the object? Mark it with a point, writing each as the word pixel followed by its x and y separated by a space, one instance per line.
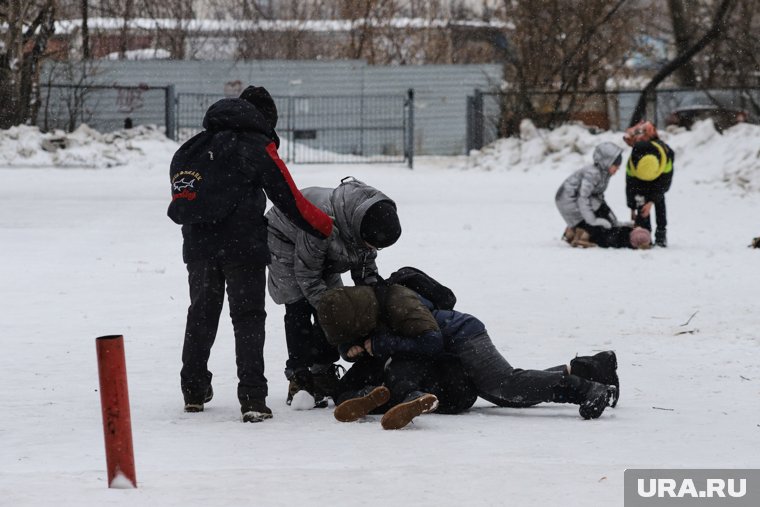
pixel 686 74
pixel 715 32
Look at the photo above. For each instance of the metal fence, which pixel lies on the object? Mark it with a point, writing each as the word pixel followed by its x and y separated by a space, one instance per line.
pixel 492 115
pixel 327 129
pixel 105 108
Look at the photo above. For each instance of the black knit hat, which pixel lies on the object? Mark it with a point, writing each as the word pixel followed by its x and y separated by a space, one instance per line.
pixel 380 226
pixel 260 97
pixel 348 313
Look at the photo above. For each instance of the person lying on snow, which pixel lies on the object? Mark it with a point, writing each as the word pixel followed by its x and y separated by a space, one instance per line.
pixel 580 201
pixel 386 321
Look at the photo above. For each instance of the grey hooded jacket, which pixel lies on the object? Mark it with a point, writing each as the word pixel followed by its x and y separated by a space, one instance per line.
pixel 304 266
pixel 582 193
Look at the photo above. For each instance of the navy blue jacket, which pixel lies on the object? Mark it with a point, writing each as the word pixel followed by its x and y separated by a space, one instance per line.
pixel 232 228
pixel 455 328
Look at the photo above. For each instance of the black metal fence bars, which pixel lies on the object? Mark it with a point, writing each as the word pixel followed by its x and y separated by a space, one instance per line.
pixel 327 129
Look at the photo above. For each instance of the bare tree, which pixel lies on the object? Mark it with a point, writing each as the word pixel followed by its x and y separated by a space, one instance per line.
pixel 715 32
pixel 28 28
pixel 561 47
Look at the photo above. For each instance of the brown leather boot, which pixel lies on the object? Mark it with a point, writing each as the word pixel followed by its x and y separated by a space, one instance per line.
pixel 582 239
pixel 568 235
pixel 356 408
pixel 403 413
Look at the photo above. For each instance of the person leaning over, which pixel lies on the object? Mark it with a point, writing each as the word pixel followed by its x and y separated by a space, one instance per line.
pixel 304 267
pixel 219 181
pixel 580 201
pixel 649 173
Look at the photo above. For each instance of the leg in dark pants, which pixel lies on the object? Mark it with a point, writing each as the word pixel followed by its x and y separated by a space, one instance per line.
pixel 206 282
pixel 367 371
pixel 305 339
pixel 497 381
pixel 246 293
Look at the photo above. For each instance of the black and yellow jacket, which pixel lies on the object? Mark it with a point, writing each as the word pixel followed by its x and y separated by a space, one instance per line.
pixel 649 171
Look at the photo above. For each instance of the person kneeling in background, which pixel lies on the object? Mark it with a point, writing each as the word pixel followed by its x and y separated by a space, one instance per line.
pixel 580 201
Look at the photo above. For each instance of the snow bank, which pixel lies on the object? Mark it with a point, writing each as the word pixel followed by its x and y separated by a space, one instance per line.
pixel 699 151
pixel 26 146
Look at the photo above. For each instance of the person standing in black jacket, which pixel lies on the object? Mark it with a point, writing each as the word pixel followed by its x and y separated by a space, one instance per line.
pixel 219 180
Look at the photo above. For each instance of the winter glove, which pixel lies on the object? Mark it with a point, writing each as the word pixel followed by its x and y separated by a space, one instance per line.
pixel 601 222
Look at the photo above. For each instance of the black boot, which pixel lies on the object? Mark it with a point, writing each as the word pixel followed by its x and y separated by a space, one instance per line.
pixel 601 367
pixel 255 411
pixel 303 380
pixel 592 397
pixel 661 237
pixel 326 379
pixel 195 405
pixel 362 403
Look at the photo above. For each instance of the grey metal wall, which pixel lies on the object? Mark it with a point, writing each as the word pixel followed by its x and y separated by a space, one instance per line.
pixel 440 90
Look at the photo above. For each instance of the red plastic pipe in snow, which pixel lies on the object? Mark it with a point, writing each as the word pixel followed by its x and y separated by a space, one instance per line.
pixel 114 402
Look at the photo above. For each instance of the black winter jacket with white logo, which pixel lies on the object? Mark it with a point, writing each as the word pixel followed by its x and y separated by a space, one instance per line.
pixel 219 179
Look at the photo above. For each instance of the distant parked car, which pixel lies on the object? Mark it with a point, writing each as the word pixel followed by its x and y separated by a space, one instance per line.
pixel 723 117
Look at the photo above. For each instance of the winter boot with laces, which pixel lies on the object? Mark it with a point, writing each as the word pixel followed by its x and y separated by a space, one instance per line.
pixel 601 367
pixel 568 235
pixel 416 403
pixel 326 379
pixel 193 406
pixel 365 401
pixel 303 380
pixel 592 397
pixel 255 411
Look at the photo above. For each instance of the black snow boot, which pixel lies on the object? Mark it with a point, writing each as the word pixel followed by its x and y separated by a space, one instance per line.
pixel 416 403
pixel 326 378
pixel 303 380
pixel 255 411
pixel 194 405
pixel 362 403
pixel 661 237
pixel 592 397
pixel 601 367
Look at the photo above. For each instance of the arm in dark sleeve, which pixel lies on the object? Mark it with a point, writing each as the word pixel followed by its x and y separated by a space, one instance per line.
pixel 282 191
pixel 385 344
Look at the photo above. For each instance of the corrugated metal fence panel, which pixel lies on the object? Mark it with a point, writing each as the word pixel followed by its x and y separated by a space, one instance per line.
pixel 440 96
pixel 441 90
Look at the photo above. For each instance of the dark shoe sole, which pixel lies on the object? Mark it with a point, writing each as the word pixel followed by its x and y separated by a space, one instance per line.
pixel 356 408
pixel 594 406
pixel 403 413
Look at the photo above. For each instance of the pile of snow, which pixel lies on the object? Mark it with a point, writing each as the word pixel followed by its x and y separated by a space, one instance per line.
pixel 732 157
pixel 26 146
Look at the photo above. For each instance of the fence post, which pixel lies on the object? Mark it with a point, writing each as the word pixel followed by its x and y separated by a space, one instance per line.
pixel 170 106
pixel 114 403
pixel 409 141
pixel 477 119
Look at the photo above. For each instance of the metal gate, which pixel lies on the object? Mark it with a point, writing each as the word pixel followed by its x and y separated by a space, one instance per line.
pixel 327 129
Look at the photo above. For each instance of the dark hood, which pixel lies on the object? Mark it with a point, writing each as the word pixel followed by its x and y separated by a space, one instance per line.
pixel 237 114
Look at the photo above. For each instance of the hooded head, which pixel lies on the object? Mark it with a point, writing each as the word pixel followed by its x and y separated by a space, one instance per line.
pixel 641 132
pixel 347 314
pixel 263 101
pixel 606 155
pixel 380 226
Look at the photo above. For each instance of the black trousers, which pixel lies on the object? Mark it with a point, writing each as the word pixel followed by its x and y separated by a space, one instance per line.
pixel 442 376
pixel 614 237
pixel 245 293
pixel 499 382
pixel 660 214
pixel 307 344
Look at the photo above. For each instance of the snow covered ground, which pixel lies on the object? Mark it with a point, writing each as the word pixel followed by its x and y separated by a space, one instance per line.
pixel 89 252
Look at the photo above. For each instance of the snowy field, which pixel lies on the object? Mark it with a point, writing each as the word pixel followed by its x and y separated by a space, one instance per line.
pixel 88 252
